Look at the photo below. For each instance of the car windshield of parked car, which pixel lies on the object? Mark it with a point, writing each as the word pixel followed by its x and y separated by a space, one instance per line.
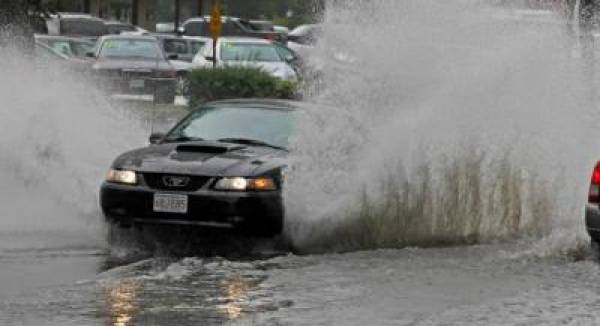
pixel 127 48
pixel 268 126
pixel 196 46
pixel 83 27
pixel 80 49
pixel 249 52
pixel 175 46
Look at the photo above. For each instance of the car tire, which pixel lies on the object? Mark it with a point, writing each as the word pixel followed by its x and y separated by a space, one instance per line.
pixel 272 228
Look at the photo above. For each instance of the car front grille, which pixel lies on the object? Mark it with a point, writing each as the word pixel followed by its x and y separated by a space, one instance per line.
pixel 174 182
pixel 136 74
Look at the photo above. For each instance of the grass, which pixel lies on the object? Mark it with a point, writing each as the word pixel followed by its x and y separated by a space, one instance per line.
pixel 466 200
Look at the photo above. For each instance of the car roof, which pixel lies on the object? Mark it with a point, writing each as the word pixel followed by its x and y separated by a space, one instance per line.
pixel 207 18
pixel 116 22
pixel 265 103
pixel 244 39
pixel 61 37
pixel 67 15
pixel 129 37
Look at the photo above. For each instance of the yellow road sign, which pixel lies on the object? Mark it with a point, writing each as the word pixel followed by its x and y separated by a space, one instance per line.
pixel 216 25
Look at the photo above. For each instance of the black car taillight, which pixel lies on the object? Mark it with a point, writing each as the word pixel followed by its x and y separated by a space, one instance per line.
pixel 594 194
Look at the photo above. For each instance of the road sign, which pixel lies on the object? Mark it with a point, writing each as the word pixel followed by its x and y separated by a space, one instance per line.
pixel 216 25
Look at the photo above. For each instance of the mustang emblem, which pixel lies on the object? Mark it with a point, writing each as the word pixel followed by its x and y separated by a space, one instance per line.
pixel 175 181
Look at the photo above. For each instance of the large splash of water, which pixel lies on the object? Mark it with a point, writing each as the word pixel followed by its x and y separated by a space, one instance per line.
pixel 479 120
pixel 59 136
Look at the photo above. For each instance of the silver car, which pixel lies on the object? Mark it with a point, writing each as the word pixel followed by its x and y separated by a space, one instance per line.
pixel 250 52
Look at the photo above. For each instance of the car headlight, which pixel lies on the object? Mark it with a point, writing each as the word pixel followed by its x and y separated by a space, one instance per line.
pixel 122 177
pixel 246 184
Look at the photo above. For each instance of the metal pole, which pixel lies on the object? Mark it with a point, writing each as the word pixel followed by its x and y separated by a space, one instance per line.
pixel 177 13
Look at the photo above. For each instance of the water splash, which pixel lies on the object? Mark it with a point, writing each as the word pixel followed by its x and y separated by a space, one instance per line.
pixel 59 136
pixel 429 83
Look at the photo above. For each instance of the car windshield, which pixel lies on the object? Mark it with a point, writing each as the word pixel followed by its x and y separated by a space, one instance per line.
pixel 249 52
pixel 122 48
pixel 196 46
pixel 272 127
pixel 80 49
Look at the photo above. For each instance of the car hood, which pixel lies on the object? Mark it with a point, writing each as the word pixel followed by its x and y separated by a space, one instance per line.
pixel 115 64
pixel 206 158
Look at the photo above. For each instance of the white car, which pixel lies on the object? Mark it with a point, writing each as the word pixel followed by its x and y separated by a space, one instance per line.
pixel 244 51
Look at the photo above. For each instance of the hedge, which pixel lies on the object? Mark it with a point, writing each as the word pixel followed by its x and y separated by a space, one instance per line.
pixel 210 84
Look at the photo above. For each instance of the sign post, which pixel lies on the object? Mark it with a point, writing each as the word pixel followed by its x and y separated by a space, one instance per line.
pixel 216 27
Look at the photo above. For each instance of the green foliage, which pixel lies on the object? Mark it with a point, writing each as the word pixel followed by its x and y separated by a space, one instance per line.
pixel 209 84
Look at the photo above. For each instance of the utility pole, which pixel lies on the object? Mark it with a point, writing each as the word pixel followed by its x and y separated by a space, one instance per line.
pixel 177 14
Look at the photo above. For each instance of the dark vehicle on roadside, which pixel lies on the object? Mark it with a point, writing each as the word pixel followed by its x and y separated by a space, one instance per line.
pixel 133 64
pixel 76 25
pixel 70 46
pixel 117 27
pixel 592 209
pixel 219 167
pixel 232 26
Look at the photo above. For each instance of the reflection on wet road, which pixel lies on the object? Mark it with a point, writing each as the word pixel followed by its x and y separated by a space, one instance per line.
pixel 480 285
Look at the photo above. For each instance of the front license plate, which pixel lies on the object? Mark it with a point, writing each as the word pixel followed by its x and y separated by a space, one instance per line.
pixel 136 83
pixel 167 203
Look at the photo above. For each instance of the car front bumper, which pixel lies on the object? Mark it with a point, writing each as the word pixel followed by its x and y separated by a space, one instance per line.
pixel 230 210
pixel 137 85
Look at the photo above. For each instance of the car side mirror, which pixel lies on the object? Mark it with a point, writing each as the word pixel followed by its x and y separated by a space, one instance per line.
pixel 173 57
pixel 180 30
pixel 90 54
pixel 156 138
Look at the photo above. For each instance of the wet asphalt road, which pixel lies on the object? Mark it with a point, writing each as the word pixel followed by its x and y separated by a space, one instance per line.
pixel 75 279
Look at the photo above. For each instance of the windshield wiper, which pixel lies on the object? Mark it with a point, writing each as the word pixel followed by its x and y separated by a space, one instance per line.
pixel 247 141
pixel 182 139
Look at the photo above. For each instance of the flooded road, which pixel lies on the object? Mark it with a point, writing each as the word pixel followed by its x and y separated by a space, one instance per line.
pixel 488 124
pixel 67 281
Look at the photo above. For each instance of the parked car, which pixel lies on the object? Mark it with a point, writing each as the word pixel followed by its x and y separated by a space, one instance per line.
pixel 46 55
pixel 245 51
pixel 220 167
pixel 134 64
pixel 232 26
pixel 69 46
pixel 117 27
pixel 76 25
pixel 281 30
pixel 305 34
pixel 592 209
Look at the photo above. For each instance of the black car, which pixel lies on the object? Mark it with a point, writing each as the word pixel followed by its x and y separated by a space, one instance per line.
pixel 76 25
pixel 134 64
pixel 220 167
